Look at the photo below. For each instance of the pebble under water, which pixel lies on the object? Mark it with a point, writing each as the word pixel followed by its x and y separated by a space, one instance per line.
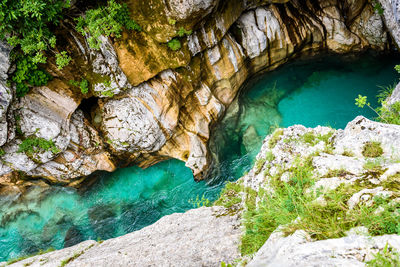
pixel 317 91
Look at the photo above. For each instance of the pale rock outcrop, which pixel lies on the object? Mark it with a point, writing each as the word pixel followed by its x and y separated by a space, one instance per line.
pixel 47 114
pixel 85 154
pixel 105 62
pixel 288 145
pixel 196 238
pixel 361 130
pixel 395 96
pixel 295 250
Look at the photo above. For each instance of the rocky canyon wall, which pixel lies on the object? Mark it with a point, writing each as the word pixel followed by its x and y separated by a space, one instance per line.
pixel 148 103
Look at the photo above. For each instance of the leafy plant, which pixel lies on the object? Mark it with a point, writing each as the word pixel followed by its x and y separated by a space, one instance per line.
pixel 27 24
pixel 384 113
pixel 378 7
pixel 107 20
pixel 108 93
pixel 182 32
pixel 385 258
pixel 171 21
pixel 200 202
pixel 28 74
pixel 83 85
pixel 62 59
pixel 174 44
pixel 361 101
pixel 34 144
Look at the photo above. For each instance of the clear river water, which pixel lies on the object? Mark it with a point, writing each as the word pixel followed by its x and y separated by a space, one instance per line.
pixel 316 91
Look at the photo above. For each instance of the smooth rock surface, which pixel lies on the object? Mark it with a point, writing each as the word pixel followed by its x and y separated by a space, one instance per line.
pixel 196 238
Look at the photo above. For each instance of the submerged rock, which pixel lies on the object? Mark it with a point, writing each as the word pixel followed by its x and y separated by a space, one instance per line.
pixel 73 237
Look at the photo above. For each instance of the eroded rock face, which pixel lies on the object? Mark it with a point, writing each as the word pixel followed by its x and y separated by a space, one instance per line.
pixel 391 14
pixel 5 91
pixel 154 103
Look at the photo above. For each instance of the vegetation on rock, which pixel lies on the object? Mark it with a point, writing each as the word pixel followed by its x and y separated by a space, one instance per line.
pixel 107 20
pixel 296 203
pixel 26 25
pixel 83 85
pixel 174 44
pixel 372 150
pixel 34 144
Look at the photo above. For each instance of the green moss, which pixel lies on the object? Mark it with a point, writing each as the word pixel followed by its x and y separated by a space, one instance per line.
pixel 276 136
pixel 259 164
pixel 348 153
pixel 309 138
pixel 337 173
pixel 372 149
pixel 75 256
pixel 269 156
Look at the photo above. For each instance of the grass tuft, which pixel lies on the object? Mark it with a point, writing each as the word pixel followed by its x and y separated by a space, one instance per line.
pixel 372 150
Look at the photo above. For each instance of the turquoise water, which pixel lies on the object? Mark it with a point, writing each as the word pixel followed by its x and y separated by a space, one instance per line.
pixel 318 91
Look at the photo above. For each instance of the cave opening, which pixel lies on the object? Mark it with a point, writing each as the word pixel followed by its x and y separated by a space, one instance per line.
pixel 89 107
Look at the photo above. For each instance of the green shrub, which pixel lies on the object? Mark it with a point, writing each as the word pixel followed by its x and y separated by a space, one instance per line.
pixel 62 60
pixel 200 202
pixel 386 113
pixel 34 144
pixel 171 21
pixel 27 24
pixel 389 113
pixel 83 85
pixel 276 136
pixel 182 32
pixel 372 150
pixel 174 44
pixel 106 20
pixel 28 74
pixel 377 7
